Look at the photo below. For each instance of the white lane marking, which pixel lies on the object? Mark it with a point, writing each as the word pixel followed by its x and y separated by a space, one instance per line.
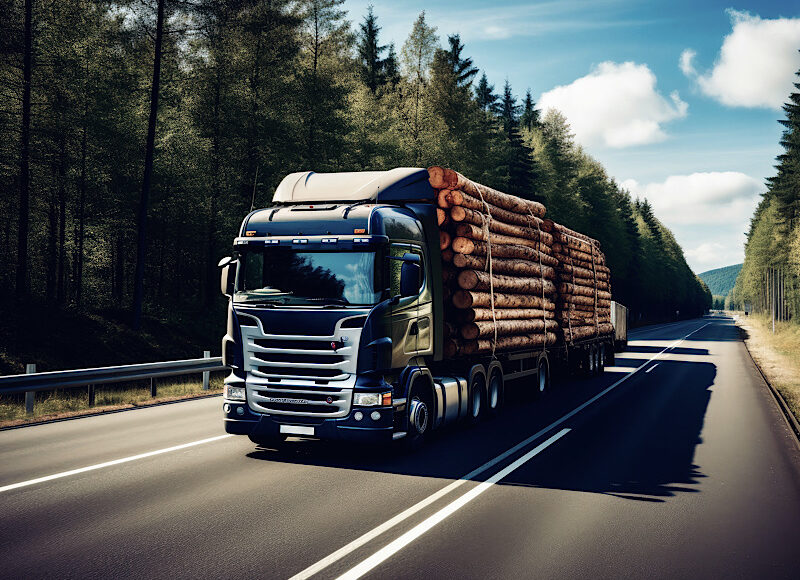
pixel 404 515
pixel 109 463
pixel 651 368
pixel 415 532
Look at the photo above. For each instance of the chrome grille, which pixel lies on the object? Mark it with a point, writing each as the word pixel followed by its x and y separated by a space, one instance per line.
pixel 300 375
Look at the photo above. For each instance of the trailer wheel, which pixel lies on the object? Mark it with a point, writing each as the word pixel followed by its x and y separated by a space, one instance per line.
pixel 542 379
pixel 601 358
pixel 494 392
pixel 477 398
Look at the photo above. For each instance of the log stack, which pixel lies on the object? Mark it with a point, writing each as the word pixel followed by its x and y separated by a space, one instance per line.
pixel 583 305
pixel 513 279
pixel 499 268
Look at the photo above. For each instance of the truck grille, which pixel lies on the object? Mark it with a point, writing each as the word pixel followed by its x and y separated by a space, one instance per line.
pixel 298 375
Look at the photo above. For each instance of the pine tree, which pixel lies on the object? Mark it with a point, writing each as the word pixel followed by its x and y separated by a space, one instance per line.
pixel 785 186
pixel 417 57
pixel 530 114
pixel 520 164
pixel 391 67
pixel 370 51
pixel 462 67
pixel 485 97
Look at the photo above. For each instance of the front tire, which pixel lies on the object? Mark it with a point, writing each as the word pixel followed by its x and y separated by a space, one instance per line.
pixel 420 419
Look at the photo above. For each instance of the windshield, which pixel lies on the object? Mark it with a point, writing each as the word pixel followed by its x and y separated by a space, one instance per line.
pixel 287 276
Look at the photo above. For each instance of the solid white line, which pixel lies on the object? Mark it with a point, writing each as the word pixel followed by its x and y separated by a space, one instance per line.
pixel 109 463
pixel 651 368
pixel 415 532
pixel 404 515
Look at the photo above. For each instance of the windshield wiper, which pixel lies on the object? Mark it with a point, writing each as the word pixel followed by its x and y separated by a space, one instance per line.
pixel 331 301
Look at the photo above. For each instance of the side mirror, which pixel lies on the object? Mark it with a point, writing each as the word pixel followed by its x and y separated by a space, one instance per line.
pixel 228 275
pixel 410 278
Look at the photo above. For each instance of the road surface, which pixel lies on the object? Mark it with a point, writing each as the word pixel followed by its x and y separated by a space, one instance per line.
pixel 675 463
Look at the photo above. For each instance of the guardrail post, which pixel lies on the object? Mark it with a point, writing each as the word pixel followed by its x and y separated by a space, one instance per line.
pixel 29 395
pixel 91 395
pixel 153 388
pixel 206 374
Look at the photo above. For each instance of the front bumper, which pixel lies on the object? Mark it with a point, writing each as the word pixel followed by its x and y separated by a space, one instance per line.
pixel 367 430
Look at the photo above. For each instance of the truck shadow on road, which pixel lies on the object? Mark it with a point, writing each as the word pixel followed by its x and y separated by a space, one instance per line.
pixel 637 442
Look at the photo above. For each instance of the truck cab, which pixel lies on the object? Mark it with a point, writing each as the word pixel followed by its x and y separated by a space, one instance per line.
pixel 334 305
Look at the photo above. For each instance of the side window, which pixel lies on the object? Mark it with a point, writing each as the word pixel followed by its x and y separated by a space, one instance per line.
pixel 397 251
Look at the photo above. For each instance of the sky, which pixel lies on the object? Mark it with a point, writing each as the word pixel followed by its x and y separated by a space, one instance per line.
pixel 679 100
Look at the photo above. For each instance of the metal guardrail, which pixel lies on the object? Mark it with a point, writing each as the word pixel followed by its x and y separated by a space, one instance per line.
pixel 32 381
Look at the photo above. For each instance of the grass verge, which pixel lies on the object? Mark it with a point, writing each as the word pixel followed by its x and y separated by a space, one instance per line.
pixel 61 404
pixel 778 355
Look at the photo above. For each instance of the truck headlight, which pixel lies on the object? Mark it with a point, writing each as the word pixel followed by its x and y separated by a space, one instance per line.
pixel 372 399
pixel 234 393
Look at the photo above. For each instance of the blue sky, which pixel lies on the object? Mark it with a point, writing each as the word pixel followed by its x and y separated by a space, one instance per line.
pixel 679 100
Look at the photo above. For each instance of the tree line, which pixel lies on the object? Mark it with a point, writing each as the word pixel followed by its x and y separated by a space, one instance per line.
pixel 136 134
pixel 772 249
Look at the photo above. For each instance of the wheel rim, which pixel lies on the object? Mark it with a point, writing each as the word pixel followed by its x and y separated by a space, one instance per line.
pixel 476 401
pixel 419 416
pixel 494 392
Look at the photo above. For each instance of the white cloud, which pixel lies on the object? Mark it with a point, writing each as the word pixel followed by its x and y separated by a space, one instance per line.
pixel 687 62
pixel 708 213
pixel 756 64
pixel 616 105
pixel 716 197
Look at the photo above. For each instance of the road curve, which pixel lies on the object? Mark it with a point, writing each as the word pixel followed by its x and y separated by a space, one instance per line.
pixel 684 468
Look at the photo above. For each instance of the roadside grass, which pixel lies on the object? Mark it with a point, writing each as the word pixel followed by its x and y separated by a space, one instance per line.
pixel 778 355
pixel 60 404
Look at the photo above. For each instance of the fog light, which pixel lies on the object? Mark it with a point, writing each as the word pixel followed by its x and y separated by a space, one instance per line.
pixel 358 415
pixel 375 415
pixel 226 407
pixel 240 411
pixel 234 393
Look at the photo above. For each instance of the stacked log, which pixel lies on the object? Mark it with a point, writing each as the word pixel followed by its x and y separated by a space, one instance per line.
pixel 499 268
pixel 583 307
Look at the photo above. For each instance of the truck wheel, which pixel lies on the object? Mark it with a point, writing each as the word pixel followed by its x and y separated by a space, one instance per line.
pixel 477 398
pixel 601 359
pixel 542 379
pixel 419 416
pixel 494 392
pixel 272 442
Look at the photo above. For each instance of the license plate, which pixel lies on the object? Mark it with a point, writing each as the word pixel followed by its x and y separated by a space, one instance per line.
pixel 297 430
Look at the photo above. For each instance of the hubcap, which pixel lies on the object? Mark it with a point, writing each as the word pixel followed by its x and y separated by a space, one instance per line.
pixel 419 416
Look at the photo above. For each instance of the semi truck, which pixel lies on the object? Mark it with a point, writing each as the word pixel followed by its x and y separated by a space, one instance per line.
pixel 335 319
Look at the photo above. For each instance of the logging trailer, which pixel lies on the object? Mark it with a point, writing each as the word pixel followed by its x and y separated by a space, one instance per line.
pixel 335 319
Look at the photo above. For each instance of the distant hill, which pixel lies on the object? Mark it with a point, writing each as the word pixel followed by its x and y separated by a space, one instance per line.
pixel 721 280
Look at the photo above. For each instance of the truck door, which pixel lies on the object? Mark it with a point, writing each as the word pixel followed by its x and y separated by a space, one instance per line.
pixel 411 320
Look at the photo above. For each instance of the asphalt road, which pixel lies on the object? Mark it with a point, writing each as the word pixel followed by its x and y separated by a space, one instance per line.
pixel 682 469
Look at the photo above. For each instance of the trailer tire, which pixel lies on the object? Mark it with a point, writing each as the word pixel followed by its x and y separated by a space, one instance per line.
pixel 494 390
pixel 477 398
pixel 542 378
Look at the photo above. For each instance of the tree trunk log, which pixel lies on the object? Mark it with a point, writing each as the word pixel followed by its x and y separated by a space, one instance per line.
pixel 583 300
pixel 476 314
pixel 447 255
pixel 460 199
pixel 478 218
pixel 599 258
pixel 444 240
pixel 478 233
pixel 468 246
pixel 484 328
pixel 481 280
pixel 503 200
pixel 515 342
pixel 441 199
pixel 587 331
pixel 436 177
pixel 565 268
pixel 472 299
pixel 441 216
pixel 566 260
pixel 583 291
pixel 505 266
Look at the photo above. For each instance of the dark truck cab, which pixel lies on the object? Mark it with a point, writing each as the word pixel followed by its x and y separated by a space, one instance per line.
pixel 335 294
